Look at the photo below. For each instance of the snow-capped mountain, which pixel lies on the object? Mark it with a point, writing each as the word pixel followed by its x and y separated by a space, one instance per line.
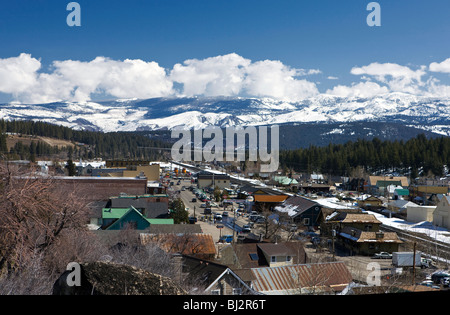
pixel 428 113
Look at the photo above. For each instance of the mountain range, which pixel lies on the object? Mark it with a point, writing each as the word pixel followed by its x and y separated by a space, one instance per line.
pixel 325 118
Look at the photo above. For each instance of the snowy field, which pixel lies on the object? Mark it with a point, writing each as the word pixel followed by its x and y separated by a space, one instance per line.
pixel 424 227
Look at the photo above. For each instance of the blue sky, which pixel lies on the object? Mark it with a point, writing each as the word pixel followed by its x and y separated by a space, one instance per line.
pixel 331 37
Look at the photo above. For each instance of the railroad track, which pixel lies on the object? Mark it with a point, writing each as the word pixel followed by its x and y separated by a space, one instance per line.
pixel 424 243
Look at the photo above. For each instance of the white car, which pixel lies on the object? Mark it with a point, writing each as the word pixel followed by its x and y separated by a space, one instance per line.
pixel 246 228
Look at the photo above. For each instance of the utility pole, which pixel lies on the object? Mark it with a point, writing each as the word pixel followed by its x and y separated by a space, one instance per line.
pixel 333 233
pixel 414 264
pixel 234 220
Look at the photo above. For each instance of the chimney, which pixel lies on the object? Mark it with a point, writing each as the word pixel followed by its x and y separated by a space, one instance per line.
pixel 177 260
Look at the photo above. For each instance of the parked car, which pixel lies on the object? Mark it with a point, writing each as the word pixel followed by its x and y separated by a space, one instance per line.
pixel 256 218
pixel 308 234
pixel 194 199
pixel 203 205
pixel 225 213
pixel 382 255
pixel 438 276
pixel 260 220
pixel 192 220
pixel 246 228
pixel 207 211
pixel 217 216
pixel 226 239
pixel 429 283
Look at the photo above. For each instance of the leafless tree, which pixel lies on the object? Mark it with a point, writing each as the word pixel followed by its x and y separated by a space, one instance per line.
pixel 34 215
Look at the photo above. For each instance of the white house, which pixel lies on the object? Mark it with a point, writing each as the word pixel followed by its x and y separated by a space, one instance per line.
pixel 441 215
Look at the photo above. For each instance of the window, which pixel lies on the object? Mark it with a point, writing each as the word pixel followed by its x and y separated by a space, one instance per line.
pixel 237 291
pixel 273 258
pixel 254 256
pixel 288 258
pixel 215 292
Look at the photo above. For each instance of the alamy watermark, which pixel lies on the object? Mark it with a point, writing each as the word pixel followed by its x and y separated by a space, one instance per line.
pixel 74 276
pixel 190 146
pixel 74 17
pixel 374 17
pixel 374 276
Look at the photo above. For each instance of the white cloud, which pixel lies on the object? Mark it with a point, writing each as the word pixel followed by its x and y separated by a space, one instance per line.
pixel 122 79
pixel 308 72
pixel 361 89
pixel 383 70
pixel 221 75
pixel 232 74
pixel 78 80
pixel 228 75
pixel 435 89
pixel 399 78
pixel 271 78
pixel 444 66
pixel 18 74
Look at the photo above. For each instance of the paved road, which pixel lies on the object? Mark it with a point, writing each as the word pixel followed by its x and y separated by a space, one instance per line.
pixel 210 226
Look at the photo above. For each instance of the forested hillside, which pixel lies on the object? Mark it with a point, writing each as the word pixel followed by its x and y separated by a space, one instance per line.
pixel 417 154
pixel 88 144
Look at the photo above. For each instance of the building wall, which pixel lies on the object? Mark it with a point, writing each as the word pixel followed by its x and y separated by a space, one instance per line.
pixel 363 226
pixel 279 260
pixel 221 183
pixel 150 171
pixel 229 285
pixel 441 215
pixel 101 188
pixel 371 248
pixel 420 213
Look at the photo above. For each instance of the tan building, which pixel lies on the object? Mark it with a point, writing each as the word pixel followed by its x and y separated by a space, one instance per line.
pixel 441 215
pixel 425 191
pixel 149 171
pixel 379 184
pixel 370 202
pixel 360 233
pixel 213 180
pixel 368 243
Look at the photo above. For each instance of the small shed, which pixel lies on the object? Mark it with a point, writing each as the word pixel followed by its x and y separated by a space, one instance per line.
pixel 420 213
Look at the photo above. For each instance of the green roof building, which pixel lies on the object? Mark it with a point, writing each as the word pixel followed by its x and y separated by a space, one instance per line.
pixel 120 218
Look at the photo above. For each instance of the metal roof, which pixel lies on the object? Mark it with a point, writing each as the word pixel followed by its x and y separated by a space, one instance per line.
pixel 296 279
